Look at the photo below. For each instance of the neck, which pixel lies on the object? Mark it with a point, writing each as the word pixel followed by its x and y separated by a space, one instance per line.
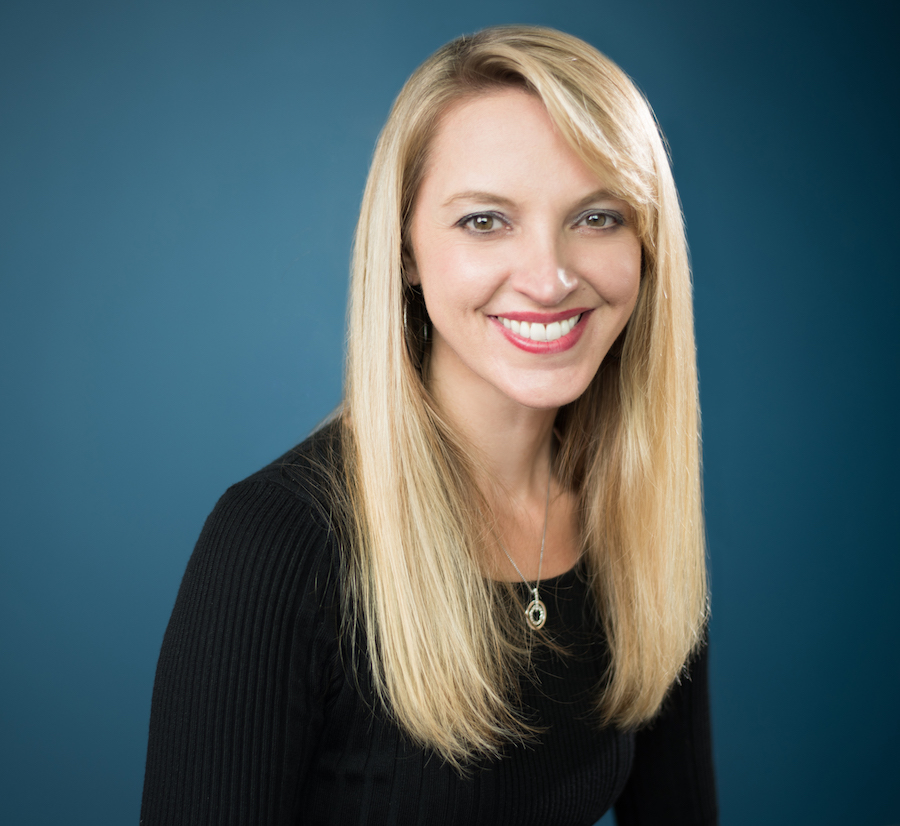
pixel 511 443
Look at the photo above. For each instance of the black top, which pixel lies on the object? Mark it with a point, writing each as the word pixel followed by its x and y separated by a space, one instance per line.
pixel 257 720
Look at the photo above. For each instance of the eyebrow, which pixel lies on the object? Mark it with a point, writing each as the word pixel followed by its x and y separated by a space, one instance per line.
pixel 476 195
pixel 599 195
pixel 500 200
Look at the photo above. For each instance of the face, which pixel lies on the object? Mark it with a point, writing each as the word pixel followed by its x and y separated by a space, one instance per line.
pixel 529 267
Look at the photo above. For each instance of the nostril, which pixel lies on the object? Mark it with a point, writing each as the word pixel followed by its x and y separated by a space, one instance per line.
pixel 541 274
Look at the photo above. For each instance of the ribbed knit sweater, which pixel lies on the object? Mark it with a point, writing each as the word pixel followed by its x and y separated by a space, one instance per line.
pixel 257 719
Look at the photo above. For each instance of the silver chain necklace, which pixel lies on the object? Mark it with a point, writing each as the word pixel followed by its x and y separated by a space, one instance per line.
pixel 535 611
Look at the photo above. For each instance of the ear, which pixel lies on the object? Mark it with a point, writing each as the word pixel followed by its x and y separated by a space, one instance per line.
pixel 410 270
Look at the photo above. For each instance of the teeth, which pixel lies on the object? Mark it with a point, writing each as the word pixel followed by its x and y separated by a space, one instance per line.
pixel 541 332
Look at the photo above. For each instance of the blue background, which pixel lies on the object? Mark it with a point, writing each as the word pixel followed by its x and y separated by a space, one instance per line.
pixel 178 188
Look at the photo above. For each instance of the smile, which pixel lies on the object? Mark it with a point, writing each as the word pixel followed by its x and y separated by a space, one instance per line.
pixel 543 334
pixel 540 332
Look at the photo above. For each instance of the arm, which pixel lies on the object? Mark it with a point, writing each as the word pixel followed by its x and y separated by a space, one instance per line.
pixel 672 781
pixel 246 659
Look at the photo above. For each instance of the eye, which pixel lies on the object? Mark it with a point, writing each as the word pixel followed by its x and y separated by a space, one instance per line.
pixel 598 219
pixel 483 222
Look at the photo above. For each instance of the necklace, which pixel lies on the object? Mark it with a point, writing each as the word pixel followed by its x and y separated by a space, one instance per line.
pixel 535 611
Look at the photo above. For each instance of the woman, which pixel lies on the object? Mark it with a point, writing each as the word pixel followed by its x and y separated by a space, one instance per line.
pixel 472 597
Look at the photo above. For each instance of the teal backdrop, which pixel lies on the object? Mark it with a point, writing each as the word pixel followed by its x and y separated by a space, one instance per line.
pixel 178 189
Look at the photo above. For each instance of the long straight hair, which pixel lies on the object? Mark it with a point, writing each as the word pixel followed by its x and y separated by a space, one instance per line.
pixel 445 657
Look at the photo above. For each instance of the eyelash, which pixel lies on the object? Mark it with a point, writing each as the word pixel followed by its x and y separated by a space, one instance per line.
pixel 616 217
pixel 467 221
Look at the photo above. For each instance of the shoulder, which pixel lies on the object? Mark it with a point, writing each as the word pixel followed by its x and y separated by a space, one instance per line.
pixel 305 485
pixel 272 538
pixel 311 472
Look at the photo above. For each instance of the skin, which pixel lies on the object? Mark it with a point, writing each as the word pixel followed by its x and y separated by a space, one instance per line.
pixel 510 223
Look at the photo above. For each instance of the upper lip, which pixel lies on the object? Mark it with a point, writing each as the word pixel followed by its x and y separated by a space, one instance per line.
pixel 542 318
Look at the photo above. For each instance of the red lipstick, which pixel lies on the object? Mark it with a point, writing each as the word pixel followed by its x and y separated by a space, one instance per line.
pixel 562 344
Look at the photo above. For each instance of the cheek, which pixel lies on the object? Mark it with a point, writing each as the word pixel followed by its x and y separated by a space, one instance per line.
pixel 616 276
pixel 455 278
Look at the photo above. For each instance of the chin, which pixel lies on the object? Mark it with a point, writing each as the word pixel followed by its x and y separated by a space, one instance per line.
pixel 549 398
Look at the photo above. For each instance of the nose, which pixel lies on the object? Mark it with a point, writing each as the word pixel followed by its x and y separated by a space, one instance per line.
pixel 541 272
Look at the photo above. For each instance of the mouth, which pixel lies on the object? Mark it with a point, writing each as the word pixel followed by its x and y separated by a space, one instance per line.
pixel 537 331
pixel 543 333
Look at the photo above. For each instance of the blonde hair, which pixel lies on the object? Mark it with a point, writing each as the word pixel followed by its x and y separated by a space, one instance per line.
pixel 445 658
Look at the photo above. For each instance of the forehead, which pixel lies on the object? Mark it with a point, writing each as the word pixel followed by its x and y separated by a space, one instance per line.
pixel 500 140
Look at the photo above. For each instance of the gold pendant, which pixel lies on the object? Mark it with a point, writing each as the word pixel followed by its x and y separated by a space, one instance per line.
pixel 536 613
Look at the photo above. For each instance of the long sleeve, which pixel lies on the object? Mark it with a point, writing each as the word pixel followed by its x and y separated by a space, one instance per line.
pixel 245 665
pixel 672 780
